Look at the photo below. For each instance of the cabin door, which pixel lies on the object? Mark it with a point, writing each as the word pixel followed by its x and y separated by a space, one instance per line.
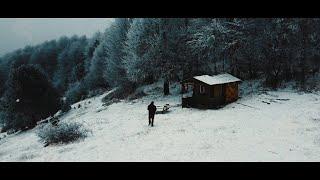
pixel 231 92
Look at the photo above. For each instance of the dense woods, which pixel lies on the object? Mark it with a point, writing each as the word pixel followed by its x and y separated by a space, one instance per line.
pixel 136 51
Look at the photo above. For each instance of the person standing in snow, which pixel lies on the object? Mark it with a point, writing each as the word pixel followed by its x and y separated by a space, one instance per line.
pixel 152 110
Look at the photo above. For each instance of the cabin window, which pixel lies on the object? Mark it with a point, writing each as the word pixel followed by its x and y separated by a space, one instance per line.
pixel 187 87
pixel 202 89
pixel 188 90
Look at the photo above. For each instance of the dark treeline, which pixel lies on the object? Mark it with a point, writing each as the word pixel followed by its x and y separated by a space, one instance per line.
pixel 136 51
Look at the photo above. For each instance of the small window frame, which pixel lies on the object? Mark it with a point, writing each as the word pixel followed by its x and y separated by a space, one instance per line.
pixel 202 89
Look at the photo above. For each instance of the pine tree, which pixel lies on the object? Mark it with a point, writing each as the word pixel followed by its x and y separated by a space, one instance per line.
pixel 29 97
pixel 142 51
pixel 95 77
pixel 115 42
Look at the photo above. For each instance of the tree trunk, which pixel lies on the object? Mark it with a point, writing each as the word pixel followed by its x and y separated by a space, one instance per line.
pixel 215 68
pixel 166 89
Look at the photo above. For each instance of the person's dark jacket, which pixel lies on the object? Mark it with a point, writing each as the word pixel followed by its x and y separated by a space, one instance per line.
pixel 152 109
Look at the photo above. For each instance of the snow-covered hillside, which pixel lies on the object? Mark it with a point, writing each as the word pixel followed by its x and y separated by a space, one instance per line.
pixel 271 126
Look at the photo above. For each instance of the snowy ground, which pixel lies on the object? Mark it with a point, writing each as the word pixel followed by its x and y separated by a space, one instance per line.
pixel 286 129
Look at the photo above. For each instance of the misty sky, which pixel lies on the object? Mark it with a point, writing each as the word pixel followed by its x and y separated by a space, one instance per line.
pixel 16 33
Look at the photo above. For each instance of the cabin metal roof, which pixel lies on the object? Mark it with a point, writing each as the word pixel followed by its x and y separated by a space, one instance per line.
pixel 217 79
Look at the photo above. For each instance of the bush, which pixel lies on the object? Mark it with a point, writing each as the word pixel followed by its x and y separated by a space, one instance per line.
pixel 120 93
pixel 96 92
pixel 137 95
pixel 62 133
pixel 313 83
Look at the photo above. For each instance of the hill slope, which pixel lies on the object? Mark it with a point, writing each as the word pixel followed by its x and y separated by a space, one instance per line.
pixel 287 129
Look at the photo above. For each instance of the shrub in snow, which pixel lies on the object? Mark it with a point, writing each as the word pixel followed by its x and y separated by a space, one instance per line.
pixel 61 133
pixel 313 84
pixel 96 92
pixel 137 95
pixel 120 93
pixel 108 103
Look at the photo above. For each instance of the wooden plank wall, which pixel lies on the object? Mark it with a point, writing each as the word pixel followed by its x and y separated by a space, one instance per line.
pixel 231 92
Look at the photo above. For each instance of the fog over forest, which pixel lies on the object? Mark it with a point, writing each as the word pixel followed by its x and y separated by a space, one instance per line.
pixel 18 32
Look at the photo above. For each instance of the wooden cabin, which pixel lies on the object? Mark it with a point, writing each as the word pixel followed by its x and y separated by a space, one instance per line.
pixel 209 91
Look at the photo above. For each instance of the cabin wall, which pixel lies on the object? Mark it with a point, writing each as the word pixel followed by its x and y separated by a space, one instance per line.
pixel 211 98
pixel 217 97
pixel 200 99
pixel 231 91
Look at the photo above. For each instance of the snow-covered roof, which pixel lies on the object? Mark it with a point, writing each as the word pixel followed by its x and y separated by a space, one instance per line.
pixel 217 79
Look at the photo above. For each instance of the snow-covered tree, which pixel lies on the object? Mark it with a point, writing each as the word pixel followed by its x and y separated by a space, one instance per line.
pixel 71 63
pixel 95 77
pixel 156 48
pixel 93 43
pixel 212 42
pixel 46 55
pixel 2 78
pixel 117 34
pixel 142 50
